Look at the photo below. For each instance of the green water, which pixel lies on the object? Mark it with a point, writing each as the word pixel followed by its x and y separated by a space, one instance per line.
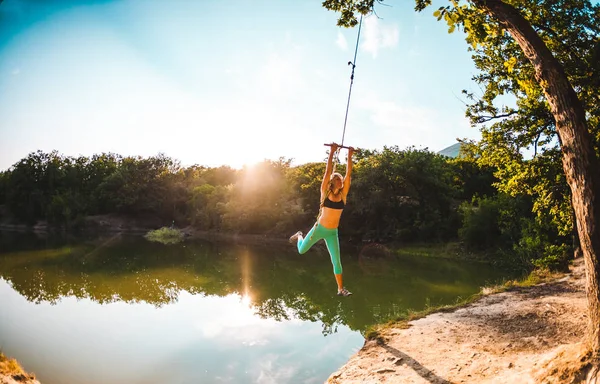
pixel 121 309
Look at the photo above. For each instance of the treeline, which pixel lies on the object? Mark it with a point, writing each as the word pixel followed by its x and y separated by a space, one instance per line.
pixel 400 196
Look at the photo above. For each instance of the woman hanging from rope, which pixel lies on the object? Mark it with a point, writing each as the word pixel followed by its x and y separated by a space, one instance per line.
pixel 334 191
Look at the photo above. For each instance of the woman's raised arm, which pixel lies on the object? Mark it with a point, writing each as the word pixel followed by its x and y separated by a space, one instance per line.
pixel 328 170
pixel 348 177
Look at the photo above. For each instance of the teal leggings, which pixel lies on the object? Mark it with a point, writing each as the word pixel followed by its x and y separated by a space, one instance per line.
pixel 330 236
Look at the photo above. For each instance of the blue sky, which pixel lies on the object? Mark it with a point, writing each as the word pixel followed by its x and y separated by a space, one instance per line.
pixel 224 82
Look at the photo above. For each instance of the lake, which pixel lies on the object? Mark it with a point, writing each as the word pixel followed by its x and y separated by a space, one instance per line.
pixel 120 309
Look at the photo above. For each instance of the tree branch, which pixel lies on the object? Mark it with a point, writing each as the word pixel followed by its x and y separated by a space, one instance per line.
pixel 550 31
pixel 485 119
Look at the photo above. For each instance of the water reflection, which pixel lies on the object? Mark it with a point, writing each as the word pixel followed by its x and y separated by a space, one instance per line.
pixel 274 281
pixel 199 340
pixel 124 310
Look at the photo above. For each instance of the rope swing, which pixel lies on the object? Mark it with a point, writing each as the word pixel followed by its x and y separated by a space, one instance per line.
pixel 353 64
pixel 335 157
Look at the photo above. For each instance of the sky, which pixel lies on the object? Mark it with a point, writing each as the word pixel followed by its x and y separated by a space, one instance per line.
pixel 225 82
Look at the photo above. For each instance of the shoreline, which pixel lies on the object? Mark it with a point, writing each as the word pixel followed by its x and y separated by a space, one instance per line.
pixel 447 251
pixel 524 334
pixel 113 224
pixel 104 227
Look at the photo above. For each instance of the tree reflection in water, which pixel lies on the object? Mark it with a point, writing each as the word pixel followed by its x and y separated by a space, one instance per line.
pixel 279 283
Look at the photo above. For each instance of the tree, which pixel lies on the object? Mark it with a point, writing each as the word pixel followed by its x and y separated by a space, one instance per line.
pixel 402 195
pixel 259 200
pixel 570 29
pixel 579 160
pixel 3 182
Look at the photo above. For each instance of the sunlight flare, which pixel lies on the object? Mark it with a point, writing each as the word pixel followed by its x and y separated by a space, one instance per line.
pixel 246 300
pixel 246 269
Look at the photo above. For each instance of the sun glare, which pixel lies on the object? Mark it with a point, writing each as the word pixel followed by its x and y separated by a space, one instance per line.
pixel 253 178
pixel 246 273
pixel 250 165
pixel 246 300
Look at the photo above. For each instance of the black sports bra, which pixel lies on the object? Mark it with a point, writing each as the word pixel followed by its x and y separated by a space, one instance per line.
pixel 333 204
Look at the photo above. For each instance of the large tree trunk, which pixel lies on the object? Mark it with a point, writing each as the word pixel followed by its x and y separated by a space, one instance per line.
pixel 579 160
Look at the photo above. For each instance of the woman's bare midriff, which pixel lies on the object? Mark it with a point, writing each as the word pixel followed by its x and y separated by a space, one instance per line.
pixel 330 218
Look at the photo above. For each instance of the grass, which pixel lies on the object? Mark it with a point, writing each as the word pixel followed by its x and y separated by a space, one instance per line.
pixel 10 367
pixel 538 276
pixel 165 235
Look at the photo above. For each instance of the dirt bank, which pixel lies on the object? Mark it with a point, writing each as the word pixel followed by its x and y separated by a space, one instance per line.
pixel 525 335
pixel 11 372
pixel 18 379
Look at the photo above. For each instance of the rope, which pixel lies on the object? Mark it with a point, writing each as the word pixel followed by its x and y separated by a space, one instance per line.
pixel 335 156
pixel 353 64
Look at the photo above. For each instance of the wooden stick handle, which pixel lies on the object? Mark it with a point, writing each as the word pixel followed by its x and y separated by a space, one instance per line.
pixel 340 146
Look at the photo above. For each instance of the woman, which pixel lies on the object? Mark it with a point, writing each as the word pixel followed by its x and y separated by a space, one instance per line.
pixel 334 190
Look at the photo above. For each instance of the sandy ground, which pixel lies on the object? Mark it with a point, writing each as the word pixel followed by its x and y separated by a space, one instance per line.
pixel 11 380
pixel 509 337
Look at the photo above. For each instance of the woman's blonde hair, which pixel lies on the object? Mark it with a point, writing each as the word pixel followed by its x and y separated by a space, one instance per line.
pixel 333 176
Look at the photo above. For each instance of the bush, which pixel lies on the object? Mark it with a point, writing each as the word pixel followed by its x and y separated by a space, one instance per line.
pixel 480 229
pixel 165 235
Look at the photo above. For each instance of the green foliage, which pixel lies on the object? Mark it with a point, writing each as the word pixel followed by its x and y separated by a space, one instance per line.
pixel 508 228
pixel 203 201
pixel 409 196
pixel 3 186
pixel 165 235
pixel 403 195
pixel 492 222
pixel 259 201
pixel 396 195
pixel 306 181
pixel 542 247
pixel 65 209
pixel 480 224
pixel 348 10
pixel 569 29
pixel 472 179
pixel 554 257
pixel 141 185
